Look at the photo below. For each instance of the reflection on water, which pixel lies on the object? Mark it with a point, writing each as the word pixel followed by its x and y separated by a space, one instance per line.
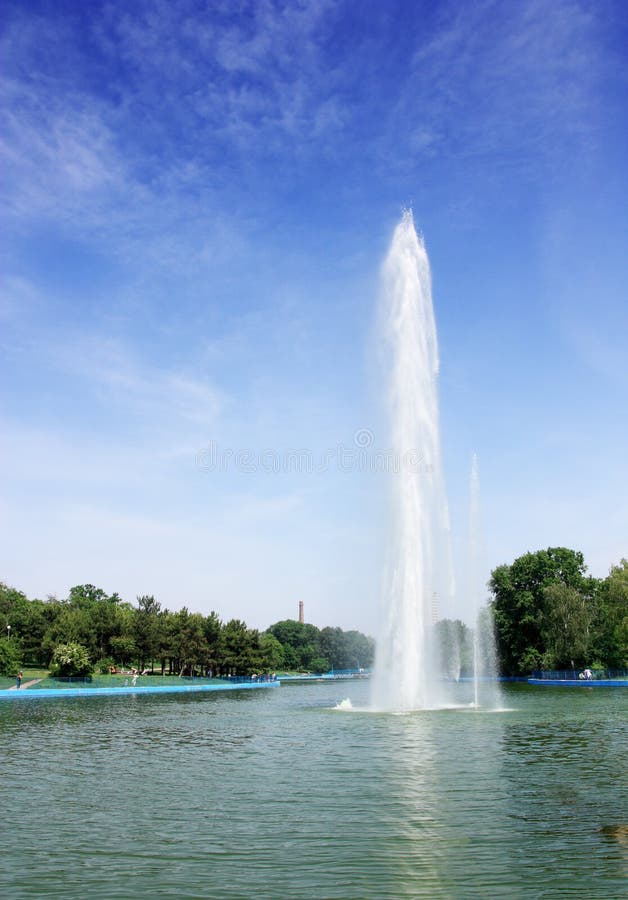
pixel 278 795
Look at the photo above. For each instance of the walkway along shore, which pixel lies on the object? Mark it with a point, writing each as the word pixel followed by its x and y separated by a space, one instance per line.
pixel 26 684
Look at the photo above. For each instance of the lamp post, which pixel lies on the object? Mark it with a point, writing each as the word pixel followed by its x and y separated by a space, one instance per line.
pixel 8 632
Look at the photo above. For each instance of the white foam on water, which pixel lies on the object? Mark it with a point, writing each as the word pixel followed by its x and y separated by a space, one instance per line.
pixel 344 704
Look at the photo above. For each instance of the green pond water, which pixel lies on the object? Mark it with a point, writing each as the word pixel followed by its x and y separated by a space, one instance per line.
pixel 274 794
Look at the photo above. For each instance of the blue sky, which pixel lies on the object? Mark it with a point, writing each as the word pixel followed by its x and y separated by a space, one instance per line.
pixel 197 199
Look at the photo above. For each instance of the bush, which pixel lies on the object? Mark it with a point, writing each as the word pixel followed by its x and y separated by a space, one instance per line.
pixel 10 658
pixel 319 665
pixel 105 665
pixel 69 660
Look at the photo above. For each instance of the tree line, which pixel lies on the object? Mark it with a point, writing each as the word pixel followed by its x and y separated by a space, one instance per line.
pixel 92 630
pixel 550 614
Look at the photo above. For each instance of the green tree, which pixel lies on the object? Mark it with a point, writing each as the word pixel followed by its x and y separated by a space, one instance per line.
pixel 271 653
pixel 71 625
pixel 40 616
pixel 359 650
pixel 300 642
pixel 10 657
pixel 610 626
pixel 345 649
pixel 123 648
pixel 319 665
pixel 70 660
pixel 239 649
pixel 191 644
pixel 26 620
pixel 146 629
pixel 167 641
pixel 13 607
pixel 566 627
pixel 305 647
pixel 212 627
pixel 106 614
pixel 519 603
pixel 332 648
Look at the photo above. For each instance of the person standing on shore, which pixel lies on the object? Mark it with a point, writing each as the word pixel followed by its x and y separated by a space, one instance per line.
pixel 18 680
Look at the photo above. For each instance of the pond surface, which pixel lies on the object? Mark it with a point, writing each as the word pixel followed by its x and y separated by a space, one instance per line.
pixel 275 795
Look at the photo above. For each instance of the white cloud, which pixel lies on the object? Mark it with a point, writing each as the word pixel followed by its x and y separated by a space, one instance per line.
pixel 157 397
pixel 249 79
pixel 508 84
pixel 59 156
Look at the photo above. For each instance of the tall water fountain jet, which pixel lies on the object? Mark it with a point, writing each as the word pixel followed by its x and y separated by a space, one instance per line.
pixel 406 668
pixel 486 690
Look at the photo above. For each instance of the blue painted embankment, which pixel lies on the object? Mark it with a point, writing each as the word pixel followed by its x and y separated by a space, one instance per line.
pixel 581 683
pixel 45 693
pixel 578 678
pixel 334 675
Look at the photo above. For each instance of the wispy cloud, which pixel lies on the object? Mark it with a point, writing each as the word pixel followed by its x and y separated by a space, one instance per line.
pixel 509 87
pixel 57 153
pixel 197 96
pixel 263 69
pixel 203 99
pixel 157 397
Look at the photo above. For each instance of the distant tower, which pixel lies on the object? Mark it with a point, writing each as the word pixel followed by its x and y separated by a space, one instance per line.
pixel 301 611
pixel 435 608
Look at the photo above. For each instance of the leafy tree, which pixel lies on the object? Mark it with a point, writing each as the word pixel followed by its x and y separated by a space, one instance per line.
pixel 212 627
pixel 13 607
pixel 71 660
pixel 27 621
pixel 40 616
pixel 239 649
pixel 566 627
pixel 610 627
pixel 71 625
pixel 307 648
pixel 519 603
pixel 345 649
pixel 192 648
pixel 123 648
pixel 107 615
pixel 146 629
pixel 167 641
pixel 271 653
pixel 87 595
pixel 319 665
pixel 359 650
pixel 300 642
pixel 332 647
pixel 10 657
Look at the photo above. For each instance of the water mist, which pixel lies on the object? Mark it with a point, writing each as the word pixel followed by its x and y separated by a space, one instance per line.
pixel 486 690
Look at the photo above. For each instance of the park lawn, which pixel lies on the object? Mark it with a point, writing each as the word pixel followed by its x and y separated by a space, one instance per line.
pixel 29 673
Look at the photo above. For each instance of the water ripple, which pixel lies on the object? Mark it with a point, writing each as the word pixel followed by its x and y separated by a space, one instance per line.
pixel 278 797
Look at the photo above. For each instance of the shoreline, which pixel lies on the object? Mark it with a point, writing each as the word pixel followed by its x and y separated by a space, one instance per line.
pixel 124 690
